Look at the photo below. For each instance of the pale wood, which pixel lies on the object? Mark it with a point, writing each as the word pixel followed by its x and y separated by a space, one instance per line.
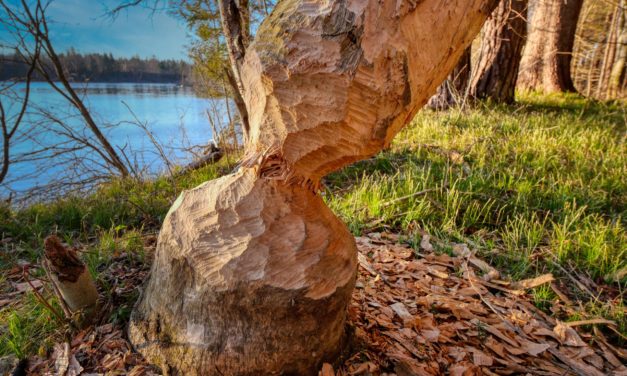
pixel 253 273
pixel 251 276
pixel 328 83
pixel 71 279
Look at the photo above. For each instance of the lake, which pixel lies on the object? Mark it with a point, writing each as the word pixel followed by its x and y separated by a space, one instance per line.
pixel 174 114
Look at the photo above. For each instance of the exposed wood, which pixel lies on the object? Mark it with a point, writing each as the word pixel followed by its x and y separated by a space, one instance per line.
pixel 71 279
pixel 332 83
pixel 251 276
pixel 252 272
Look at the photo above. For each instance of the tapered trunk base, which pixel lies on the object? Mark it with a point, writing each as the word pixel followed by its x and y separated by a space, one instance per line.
pixel 251 277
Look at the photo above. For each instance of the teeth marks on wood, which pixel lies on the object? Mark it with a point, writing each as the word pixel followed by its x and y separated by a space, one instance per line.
pixel 64 261
pixel 341 27
pixel 269 268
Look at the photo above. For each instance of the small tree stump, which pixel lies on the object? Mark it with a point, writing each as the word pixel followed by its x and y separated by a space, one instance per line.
pixel 71 279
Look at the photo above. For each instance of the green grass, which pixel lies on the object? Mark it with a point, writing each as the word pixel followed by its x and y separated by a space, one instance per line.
pixel 543 179
pixel 127 203
pixel 527 185
pixel 29 328
pixel 109 223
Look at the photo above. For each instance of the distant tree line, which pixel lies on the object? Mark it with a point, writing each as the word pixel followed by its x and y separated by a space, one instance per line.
pixel 102 67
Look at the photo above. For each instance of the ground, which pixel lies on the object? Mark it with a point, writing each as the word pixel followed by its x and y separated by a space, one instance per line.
pixel 532 189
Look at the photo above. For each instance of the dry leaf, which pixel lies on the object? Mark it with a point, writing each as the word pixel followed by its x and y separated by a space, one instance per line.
pixel 479 358
pixel 426 244
pixel 530 283
pixel 567 335
pixel 62 358
pixel 401 311
pixel 25 286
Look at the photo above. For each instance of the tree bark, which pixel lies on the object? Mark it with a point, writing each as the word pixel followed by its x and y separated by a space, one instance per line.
pixel 546 61
pixel 252 272
pixel 502 41
pixel 453 89
pixel 614 57
pixel 235 21
pixel 618 75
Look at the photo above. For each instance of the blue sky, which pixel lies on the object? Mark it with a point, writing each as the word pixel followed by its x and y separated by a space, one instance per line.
pixel 136 31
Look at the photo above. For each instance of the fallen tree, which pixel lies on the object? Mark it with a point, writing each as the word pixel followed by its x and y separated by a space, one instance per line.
pixel 252 272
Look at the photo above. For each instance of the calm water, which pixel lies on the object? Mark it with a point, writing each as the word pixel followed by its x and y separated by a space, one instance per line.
pixel 174 115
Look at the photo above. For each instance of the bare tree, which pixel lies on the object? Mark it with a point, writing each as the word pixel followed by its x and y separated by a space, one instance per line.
pixel 618 75
pixel 10 124
pixel 235 21
pixel 27 22
pixel 613 63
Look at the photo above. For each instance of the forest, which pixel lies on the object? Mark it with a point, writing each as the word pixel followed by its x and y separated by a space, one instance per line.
pixel 103 67
pixel 392 188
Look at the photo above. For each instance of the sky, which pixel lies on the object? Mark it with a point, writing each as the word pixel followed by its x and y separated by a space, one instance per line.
pixel 82 24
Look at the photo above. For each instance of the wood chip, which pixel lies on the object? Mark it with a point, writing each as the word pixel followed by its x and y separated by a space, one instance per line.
pixel 526 284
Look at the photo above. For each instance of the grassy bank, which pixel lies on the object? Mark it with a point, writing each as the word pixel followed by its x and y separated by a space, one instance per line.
pixel 535 187
pixel 544 178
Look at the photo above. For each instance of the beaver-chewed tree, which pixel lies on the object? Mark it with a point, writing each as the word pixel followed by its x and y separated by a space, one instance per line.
pixel 253 273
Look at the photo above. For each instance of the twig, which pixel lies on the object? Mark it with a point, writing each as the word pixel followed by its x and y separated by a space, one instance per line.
pixel 41 299
pixel 419 193
pixel 577 282
pixel 64 307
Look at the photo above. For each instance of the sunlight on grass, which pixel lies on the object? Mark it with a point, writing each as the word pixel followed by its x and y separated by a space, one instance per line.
pixel 544 174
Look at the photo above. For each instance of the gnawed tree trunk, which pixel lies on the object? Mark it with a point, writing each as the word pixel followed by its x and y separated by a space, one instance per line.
pixel 453 89
pixel 252 272
pixel 502 41
pixel 71 280
pixel 546 60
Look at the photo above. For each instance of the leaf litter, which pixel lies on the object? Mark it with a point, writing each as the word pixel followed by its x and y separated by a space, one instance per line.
pixel 412 313
pixel 423 313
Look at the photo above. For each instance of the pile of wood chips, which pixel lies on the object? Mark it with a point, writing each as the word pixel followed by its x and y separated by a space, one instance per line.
pixel 429 314
pixel 413 313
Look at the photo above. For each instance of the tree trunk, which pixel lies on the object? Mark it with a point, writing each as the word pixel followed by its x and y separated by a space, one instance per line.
pixel 502 41
pixel 252 272
pixel 614 59
pixel 235 21
pixel 546 61
pixel 453 89
pixel 618 76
